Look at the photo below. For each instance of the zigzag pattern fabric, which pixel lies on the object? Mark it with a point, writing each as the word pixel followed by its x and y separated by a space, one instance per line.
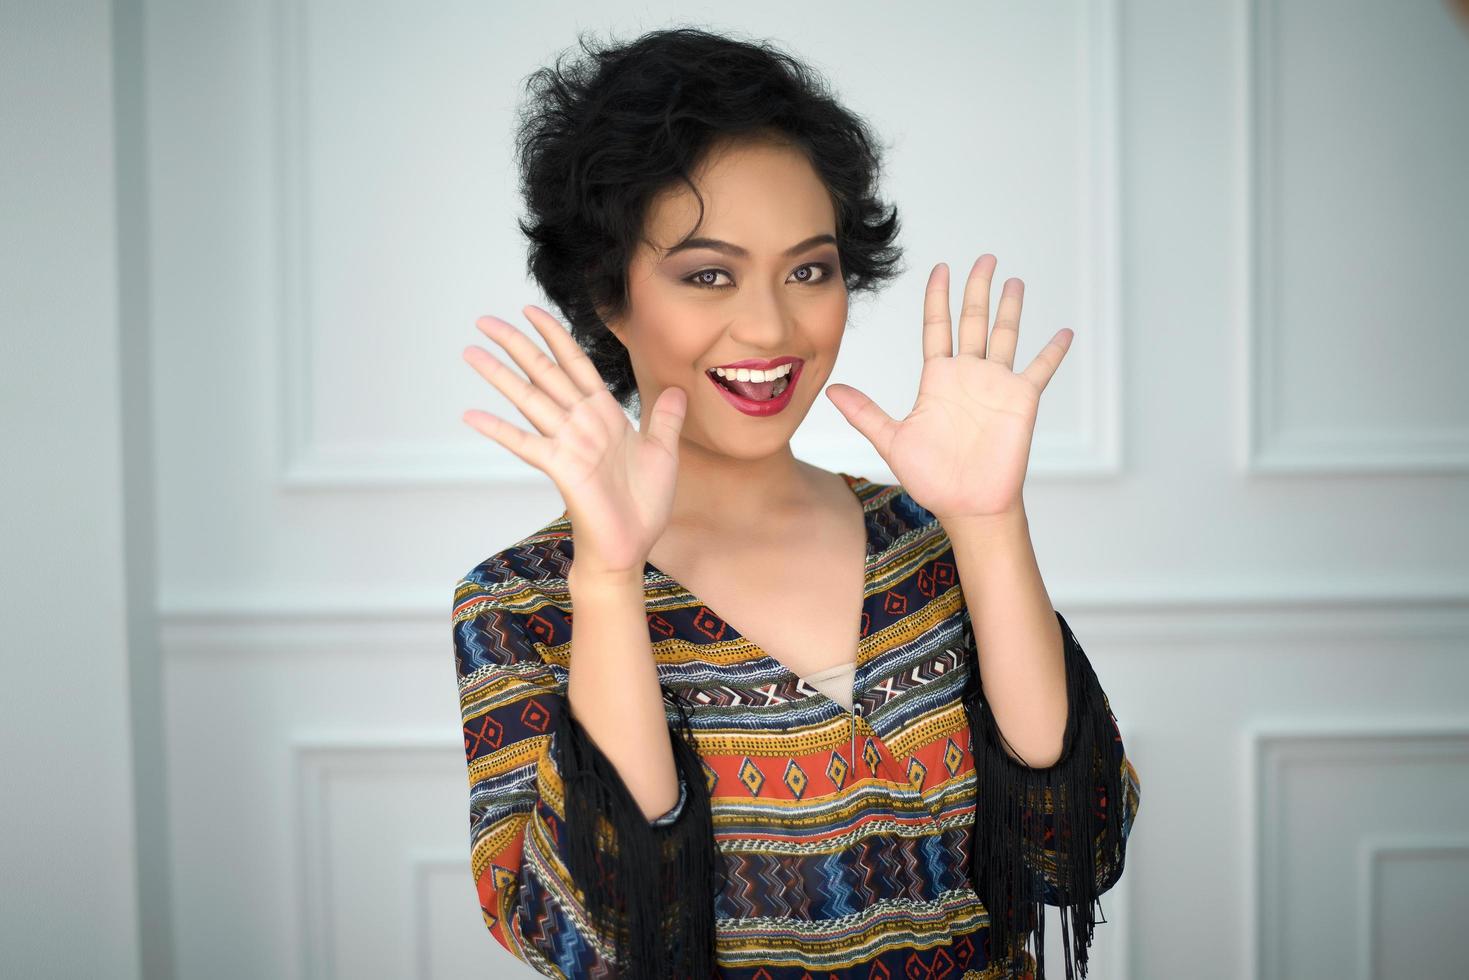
pixel 845 840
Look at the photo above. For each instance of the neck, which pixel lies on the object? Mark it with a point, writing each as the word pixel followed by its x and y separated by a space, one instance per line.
pixel 718 493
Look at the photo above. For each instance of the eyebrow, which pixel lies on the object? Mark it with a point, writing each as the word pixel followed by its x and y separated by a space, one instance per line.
pixel 723 246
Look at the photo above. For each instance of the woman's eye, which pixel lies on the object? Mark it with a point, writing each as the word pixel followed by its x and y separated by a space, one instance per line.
pixel 825 271
pixel 698 279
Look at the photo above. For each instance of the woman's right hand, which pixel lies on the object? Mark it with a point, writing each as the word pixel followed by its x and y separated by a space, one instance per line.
pixel 617 481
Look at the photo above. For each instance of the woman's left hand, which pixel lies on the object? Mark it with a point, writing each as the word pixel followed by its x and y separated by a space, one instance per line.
pixel 963 449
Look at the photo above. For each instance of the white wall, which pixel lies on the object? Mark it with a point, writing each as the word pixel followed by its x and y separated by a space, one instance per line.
pixel 74 624
pixel 1246 491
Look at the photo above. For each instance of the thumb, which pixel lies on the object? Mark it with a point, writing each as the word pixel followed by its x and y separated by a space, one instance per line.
pixel 665 421
pixel 865 416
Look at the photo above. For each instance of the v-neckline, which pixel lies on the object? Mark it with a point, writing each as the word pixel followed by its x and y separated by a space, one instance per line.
pixel 762 656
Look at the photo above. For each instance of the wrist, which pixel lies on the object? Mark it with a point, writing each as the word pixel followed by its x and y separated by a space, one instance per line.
pixel 988 525
pixel 591 581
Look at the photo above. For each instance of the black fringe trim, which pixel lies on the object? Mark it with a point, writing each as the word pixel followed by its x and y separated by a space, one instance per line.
pixel 1085 789
pixel 649 891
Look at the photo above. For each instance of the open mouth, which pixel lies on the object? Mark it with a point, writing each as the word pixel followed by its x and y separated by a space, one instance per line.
pixel 757 391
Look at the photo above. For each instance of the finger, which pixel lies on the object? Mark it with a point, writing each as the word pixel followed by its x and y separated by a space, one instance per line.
pixel 573 360
pixel 538 367
pixel 974 312
pixel 534 404
pixel 938 329
pixel 1040 370
pixel 1007 324
pixel 665 422
pixel 532 449
pixel 865 415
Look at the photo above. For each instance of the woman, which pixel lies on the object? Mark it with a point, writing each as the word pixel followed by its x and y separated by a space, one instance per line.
pixel 822 789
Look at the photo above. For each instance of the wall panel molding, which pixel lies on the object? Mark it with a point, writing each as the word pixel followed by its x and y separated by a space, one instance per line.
pixel 265 621
pixel 1287 763
pixel 316 763
pixel 1375 855
pixel 1271 445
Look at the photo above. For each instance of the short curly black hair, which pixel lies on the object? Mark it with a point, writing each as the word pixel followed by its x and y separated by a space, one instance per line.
pixel 600 138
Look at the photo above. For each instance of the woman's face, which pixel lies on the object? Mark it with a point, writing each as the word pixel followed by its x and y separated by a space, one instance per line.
pixel 773 291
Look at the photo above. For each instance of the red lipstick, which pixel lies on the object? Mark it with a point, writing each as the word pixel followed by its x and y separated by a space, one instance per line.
pixel 750 406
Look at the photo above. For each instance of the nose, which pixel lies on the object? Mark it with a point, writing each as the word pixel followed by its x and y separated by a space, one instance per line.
pixel 764 320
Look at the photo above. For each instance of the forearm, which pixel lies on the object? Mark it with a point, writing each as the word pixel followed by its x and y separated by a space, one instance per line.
pixel 1019 641
pixel 613 687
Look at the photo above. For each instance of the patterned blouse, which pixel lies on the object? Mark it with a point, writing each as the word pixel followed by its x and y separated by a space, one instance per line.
pixel 897 839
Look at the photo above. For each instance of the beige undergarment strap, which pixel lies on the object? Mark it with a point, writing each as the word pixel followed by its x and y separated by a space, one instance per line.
pixel 835 683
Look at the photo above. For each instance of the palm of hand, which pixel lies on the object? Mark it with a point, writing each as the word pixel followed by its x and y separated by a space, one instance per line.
pixel 617 481
pixel 963 449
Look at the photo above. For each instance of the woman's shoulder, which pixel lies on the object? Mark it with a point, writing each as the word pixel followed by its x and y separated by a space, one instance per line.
pixel 893 516
pixel 534 567
pixel 908 510
pixel 891 495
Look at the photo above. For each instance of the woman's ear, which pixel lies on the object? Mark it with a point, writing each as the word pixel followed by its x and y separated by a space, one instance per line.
pixel 613 324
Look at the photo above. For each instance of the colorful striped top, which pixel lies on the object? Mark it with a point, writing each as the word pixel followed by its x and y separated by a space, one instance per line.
pixel 809 841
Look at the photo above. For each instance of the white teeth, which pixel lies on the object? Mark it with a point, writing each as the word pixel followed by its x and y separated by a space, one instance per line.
pixel 745 374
